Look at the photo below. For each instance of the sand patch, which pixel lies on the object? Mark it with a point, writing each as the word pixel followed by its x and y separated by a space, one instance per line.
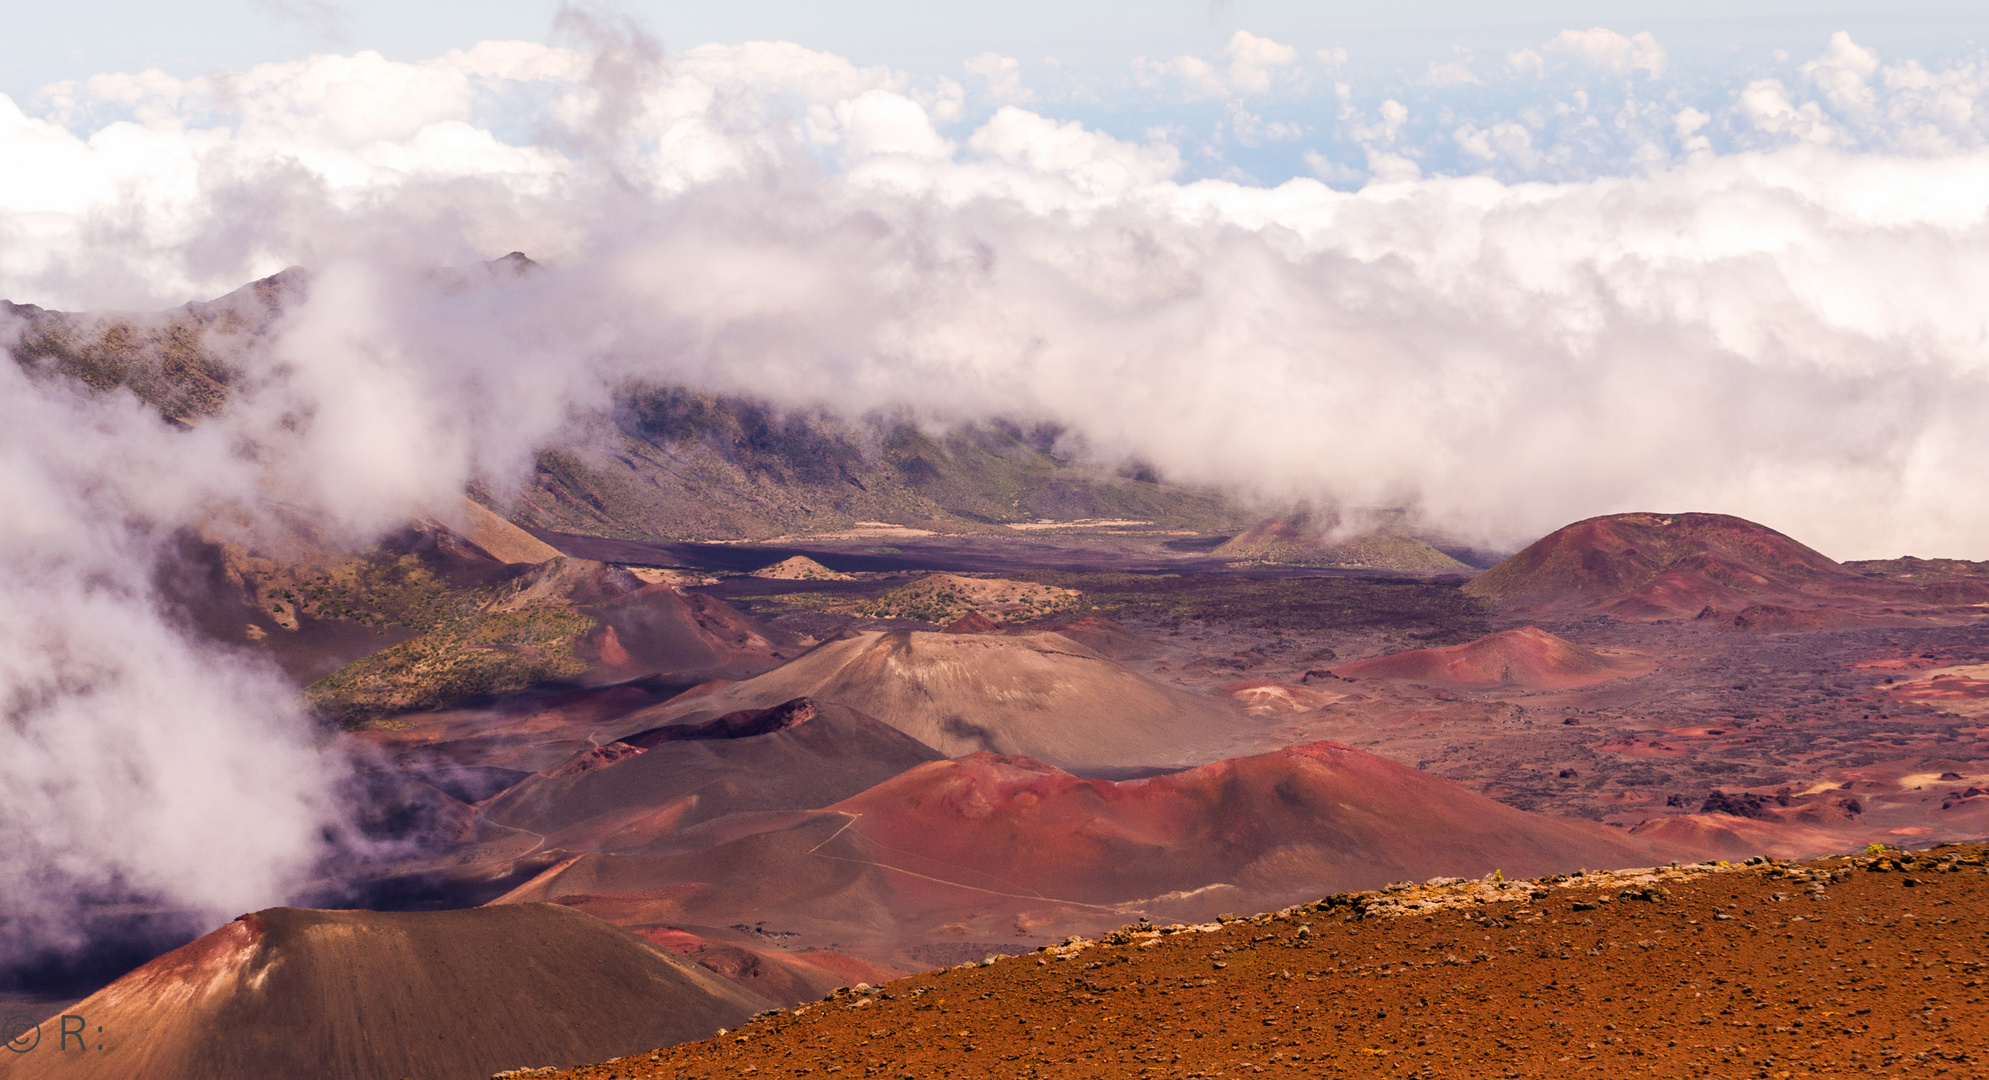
pixel 799 568
pixel 1082 523
pixel 1962 689
pixel 676 579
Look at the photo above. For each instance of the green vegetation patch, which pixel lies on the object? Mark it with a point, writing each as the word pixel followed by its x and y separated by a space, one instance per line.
pixel 381 590
pixel 481 653
pixel 943 598
pixel 695 466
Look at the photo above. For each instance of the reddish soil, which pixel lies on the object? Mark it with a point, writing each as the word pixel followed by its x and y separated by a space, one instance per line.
pixel 1320 817
pixel 1528 658
pixel 657 629
pixel 779 976
pixel 986 854
pixel 1711 567
pixel 1848 967
pixel 1791 745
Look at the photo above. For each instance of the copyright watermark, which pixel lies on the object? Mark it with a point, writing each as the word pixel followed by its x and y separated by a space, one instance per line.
pixel 23 1033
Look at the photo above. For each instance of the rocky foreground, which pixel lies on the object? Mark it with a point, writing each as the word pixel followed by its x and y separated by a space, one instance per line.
pixel 1856 966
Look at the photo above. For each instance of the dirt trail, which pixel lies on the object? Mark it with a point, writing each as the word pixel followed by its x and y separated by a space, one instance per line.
pixel 1851 967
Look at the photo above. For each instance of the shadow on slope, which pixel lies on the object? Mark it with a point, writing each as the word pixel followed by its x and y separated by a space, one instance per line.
pixel 1034 693
pixel 451 995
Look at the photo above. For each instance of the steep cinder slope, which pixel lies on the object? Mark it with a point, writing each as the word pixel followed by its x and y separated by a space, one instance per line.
pixel 1039 694
pixel 361 995
pixel 648 785
pixel 1317 818
pixel 1799 970
pixel 1007 851
pixel 1661 565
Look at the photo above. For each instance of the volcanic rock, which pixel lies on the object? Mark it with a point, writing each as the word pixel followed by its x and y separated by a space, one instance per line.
pixel 1320 817
pixel 1528 658
pixel 654 783
pixel 360 995
pixel 1664 972
pixel 1033 693
pixel 1644 566
pixel 1006 847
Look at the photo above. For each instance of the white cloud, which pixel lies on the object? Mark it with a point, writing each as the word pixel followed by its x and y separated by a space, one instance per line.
pixel 1188 75
pixel 783 67
pixel 1252 130
pixel 140 762
pixel 880 122
pixel 1452 73
pixel 1254 61
pixel 1765 104
pixel 1254 65
pixel 1388 167
pixel 1094 162
pixel 1606 50
pixel 1003 78
pixel 1507 142
pixel 1686 124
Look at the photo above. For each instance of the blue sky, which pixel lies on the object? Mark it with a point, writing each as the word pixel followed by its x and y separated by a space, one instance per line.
pixel 50 42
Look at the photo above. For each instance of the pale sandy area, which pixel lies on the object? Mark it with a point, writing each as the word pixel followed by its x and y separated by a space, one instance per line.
pixel 1081 523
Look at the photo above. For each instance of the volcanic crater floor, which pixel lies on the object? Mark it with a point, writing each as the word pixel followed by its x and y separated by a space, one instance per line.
pixel 1853 966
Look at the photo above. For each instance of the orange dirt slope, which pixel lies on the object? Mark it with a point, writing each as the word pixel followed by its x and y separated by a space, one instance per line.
pixel 1841 967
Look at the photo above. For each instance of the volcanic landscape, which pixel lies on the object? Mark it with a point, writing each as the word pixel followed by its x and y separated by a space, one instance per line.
pixel 703 730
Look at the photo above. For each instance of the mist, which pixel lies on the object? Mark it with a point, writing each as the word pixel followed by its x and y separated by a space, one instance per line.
pixel 143 764
pixel 1763 303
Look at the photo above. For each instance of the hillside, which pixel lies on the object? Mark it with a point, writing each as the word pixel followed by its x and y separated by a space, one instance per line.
pixel 1528 658
pixel 666 461
pixel 360 995
pixel 994 854
pixel 654 784
pixel 1853 967
pixel 176 361
pixel 1722 570
pixel 1656 563
pixel 1036 693
pixel 1306 539
pixel 1321 817
pixel 675 463
pixel 562 620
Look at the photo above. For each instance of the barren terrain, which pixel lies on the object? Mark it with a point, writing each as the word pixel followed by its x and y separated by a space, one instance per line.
pixel 1844 966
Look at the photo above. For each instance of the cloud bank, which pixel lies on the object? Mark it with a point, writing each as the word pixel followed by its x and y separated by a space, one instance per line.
pixel 140 763
pixel 1614 296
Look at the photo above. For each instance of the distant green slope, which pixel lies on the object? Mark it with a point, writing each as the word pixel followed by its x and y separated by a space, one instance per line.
pixel 686 465
pixel 666 462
